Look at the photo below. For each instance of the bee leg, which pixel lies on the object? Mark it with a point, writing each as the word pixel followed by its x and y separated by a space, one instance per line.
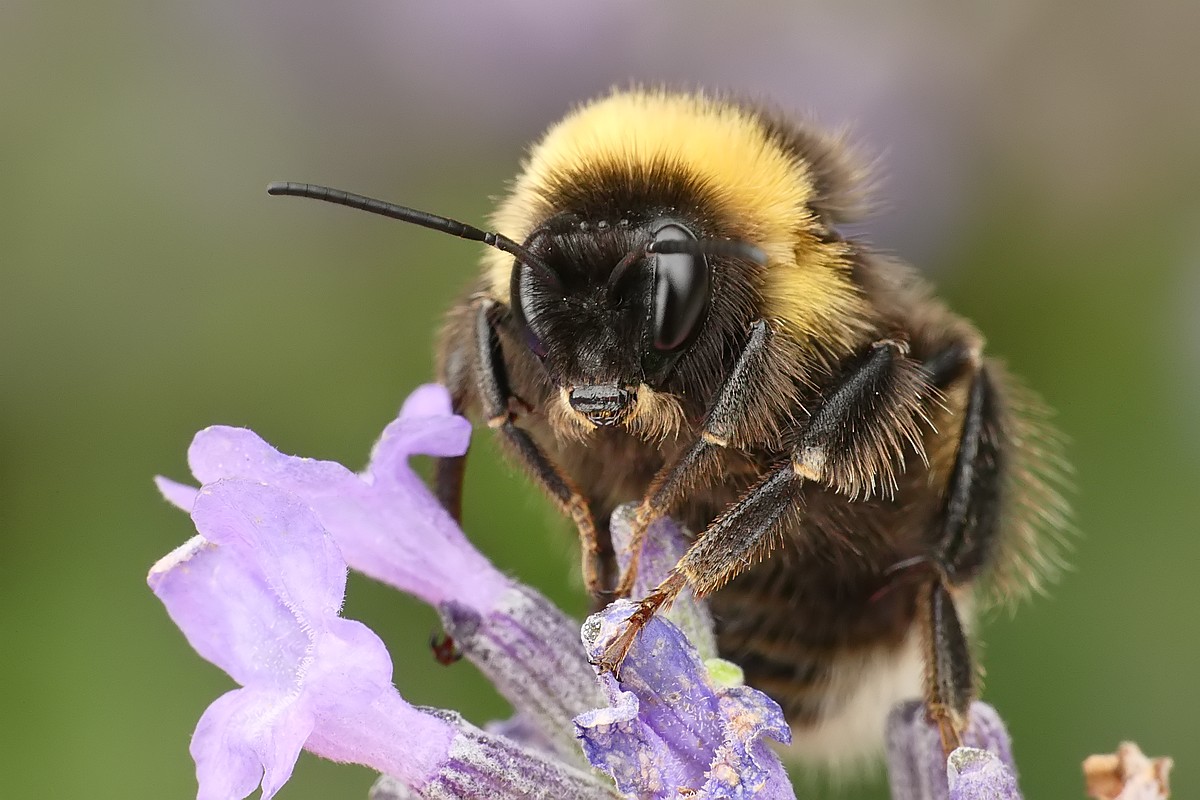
pixel 448 475
pixel 735 540
pixel 745 533
pixel 682 475
pixel 448 471
pixel 492 386
pixel 969 523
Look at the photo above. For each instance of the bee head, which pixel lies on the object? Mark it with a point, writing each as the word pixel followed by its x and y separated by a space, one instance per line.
pixel 611 308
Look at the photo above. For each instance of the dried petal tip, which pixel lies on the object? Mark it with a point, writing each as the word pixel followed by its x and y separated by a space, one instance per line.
pixel 1127 775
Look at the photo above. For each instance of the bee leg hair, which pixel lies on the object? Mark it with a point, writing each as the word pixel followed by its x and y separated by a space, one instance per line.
pixel 681 476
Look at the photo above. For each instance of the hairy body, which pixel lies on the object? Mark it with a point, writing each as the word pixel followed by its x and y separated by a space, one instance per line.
pixel 855 469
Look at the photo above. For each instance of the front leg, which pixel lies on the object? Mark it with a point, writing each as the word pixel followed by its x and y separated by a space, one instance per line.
pixel 491 386
pixel 677 478
pixel 855 443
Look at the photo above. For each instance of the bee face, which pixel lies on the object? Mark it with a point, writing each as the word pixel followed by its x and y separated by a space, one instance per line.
pixel 610 316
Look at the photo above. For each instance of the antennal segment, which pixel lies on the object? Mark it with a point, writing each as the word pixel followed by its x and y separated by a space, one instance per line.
pixel 422 218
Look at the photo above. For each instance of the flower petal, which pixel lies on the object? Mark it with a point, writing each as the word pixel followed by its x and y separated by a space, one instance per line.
pixel 427 425
pixel 229 614
pixel 386 522
pixel 277 532
pixel 220 452
pixel 745 765
pixel 398 533
pixel 247 736
pixel 350 669
pixel 179 495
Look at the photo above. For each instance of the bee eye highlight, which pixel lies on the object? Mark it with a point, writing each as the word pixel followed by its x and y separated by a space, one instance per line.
pixel 681 288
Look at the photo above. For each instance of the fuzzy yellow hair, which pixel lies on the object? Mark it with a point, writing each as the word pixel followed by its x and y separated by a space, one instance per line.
pixel 747 173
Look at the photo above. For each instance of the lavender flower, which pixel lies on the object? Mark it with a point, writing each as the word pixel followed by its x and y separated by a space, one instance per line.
pixel 981 770
pixel 259 590
pixel 257 594
pixel 669 725
pixel 390 526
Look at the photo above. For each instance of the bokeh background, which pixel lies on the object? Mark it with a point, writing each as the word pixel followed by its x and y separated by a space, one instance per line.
pixel 1041 165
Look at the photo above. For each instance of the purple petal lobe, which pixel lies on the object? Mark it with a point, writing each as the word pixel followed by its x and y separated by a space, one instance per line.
pixel 386 522
pixel 229 614
pixel 247 736
pixel 745 765
pixel 278 533
pixel 258 593
pixel 179 495
pixel 397 532
pixel 222 452
pixel 426 426
pixel 668 728
pixel 349 670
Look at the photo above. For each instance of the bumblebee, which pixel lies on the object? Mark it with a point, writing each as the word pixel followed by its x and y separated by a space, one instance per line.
pixel 668 315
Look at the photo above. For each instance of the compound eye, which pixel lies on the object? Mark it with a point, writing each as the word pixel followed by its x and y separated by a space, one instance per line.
pixel 526 301
pixel 681 288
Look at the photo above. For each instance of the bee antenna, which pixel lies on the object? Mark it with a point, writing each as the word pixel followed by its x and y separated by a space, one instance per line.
pixel 422 218
pixel 622 267
pixel 710 247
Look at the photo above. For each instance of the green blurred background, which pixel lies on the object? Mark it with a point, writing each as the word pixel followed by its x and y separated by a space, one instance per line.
pixel 1042 167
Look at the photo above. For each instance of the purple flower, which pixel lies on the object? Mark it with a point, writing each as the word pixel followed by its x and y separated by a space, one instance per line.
pixel 390 526
pixel 668 724
pixel 981 770
pixel 258 593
